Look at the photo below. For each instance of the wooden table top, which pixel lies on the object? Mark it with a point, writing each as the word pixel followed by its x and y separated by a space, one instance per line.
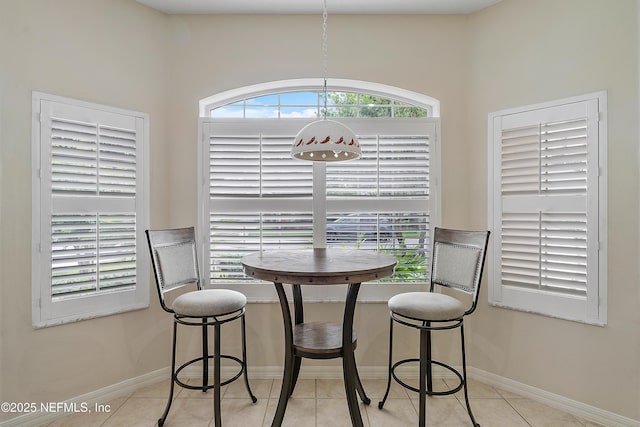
pixel 319 266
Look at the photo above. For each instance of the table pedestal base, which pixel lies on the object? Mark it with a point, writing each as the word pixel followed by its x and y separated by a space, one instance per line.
pixel 321 340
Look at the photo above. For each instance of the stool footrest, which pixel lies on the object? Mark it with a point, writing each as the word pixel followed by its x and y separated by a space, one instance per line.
pixel 429 392
pixel 208 387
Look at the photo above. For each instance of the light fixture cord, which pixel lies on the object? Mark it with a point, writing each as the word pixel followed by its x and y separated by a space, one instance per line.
pixel 325 56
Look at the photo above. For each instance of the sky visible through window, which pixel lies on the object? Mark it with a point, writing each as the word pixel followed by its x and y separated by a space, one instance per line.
pixel 310 104
pixel 286 105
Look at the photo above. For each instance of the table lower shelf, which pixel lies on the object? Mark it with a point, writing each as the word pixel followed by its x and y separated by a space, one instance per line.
pixel 320 340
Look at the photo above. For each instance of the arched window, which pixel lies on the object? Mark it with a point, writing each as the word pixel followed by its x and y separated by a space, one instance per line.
pixel 398 95
pixel 311 104
pixel 254 196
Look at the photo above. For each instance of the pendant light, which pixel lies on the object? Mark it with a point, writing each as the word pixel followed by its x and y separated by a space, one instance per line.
pixel 325 140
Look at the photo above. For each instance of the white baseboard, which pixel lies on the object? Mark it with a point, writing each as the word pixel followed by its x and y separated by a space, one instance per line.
pixel 579 409
pixel 90 399
pixel 124 388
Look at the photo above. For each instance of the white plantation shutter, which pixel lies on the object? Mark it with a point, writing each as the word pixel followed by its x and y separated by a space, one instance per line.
pixel 235 235
pixel 390 165
pixel 545 251
pixel 90 209
pixel 92 253
pixel 259 197
pixel 546 208
pixel 256 165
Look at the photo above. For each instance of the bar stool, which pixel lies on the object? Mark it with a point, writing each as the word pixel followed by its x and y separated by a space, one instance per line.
pixel 457 263
pixel 175 265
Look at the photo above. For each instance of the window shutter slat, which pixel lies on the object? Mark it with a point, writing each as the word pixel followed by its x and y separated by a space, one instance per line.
pixel 81 265
pixel 89 158
pixel 117 260
pixel 391 166
pixel 551 248
pixel 73 157
pixel 235 236
pixel 117 161
pixel 73 254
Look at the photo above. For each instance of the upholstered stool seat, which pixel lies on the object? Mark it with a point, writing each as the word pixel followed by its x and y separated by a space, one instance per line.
pixel 209 303
pixel 427 306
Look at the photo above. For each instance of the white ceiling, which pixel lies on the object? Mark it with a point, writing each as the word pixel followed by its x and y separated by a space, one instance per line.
pixel 315 6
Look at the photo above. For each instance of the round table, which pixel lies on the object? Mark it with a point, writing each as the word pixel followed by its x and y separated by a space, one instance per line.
pixel 319 340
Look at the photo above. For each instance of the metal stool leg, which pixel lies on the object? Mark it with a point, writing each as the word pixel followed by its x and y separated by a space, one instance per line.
pixel 173 377
pixel 464 378
pixel 205 356
pixel 386 393
pixel 244 361
pixel 217 416
pixel 425 377
pixel 426 325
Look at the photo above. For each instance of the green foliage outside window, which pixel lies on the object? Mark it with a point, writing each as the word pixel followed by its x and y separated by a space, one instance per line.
pixel 350 104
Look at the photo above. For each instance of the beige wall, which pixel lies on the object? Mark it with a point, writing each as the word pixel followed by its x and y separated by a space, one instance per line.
pixel 473 64
pixel 524 52
pixel 103 51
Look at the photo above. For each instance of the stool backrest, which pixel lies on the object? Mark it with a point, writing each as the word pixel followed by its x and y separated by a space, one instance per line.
pixel 174 259
pixel 458 260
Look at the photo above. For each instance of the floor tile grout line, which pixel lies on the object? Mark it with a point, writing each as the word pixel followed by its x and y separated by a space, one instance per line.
pixel 266 408
pixel 517 412
pixel 114 412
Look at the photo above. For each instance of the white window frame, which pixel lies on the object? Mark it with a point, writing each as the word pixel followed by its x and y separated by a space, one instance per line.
pixel 432 105
pixel 50 311
pixel 371 292
pixel 589 306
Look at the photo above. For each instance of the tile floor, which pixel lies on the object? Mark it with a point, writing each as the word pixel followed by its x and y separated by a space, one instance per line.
pixel 319 403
